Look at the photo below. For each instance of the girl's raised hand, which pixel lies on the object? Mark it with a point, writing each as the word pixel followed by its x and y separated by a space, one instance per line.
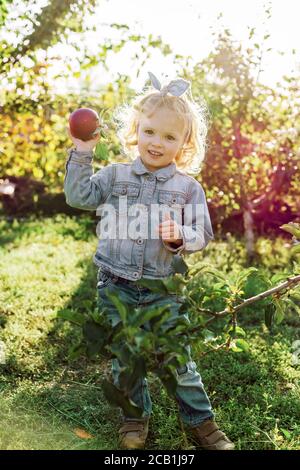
pixel 82 146
pixel 169 230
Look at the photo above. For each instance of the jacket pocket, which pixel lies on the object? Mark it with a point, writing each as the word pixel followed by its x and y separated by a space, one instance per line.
pixel 173 203
pixel 171 198
pixel 124 195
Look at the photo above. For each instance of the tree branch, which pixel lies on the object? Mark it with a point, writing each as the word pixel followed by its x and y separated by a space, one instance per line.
pixel 288 284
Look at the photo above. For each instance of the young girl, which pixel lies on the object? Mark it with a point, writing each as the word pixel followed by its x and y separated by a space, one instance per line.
pixel 165 131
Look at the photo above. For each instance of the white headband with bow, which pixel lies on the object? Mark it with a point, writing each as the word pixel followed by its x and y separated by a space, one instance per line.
pixel 175 87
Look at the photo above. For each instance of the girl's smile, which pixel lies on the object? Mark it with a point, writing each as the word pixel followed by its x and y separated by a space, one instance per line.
pixel 155 155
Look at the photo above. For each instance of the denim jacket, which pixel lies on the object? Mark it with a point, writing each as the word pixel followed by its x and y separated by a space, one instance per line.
pixel 129 189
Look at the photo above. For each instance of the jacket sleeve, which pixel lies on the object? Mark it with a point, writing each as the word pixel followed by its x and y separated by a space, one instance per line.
pixel 84 189
pixel 196 230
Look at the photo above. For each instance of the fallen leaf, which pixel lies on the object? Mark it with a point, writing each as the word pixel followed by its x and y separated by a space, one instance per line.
pixel 83 434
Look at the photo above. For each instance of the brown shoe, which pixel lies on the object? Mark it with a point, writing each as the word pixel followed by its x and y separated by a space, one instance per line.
pixel 208 436
pixel 133 434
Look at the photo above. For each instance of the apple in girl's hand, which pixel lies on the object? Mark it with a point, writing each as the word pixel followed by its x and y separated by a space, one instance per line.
pixel 84 124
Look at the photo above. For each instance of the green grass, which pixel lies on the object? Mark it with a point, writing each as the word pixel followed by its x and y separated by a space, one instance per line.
pixel 46 266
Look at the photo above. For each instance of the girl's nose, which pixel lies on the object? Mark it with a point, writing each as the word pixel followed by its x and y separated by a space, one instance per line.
pixel 156 140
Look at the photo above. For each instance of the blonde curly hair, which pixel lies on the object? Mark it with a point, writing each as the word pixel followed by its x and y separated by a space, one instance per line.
pixel 195 116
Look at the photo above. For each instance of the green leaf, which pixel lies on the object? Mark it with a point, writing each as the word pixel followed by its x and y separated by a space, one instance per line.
pixel 94 331
pixel 293 228
pixel 117 398
pixel 155 285
pixel 286 433
pixel 243 276
pixel 269 315
pixel 169 345
pixel 234 332
pixel 122 307
pixel 255 284
pixel 207 334
pixel 96 337
pixel 280 311
pixel 218 286
pixel 207 269
pixel 75 351
pixel 240 331
pixel 182 326
pixel 174 284
pixel 179 265
pixel 295 297
pixel 242 344
pixel 295 249
pixel 141 316
pixel 168 379
pixel 94 348
pixel 138 371
pixel 123 352
pixel 278 278
pixel 71 316
pixel 143 339
pixel 157 322
pixel 101 151
pixel 193 269
pixel 87 304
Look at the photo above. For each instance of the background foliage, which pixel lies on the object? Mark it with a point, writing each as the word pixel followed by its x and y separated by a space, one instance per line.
pixel 252 164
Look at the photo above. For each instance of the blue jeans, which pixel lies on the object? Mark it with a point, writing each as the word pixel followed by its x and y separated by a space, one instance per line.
pixel 194 405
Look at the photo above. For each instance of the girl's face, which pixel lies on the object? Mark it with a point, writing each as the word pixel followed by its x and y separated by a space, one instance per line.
pixel 160 138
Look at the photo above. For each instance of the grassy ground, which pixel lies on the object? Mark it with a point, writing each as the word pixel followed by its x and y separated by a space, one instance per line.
pixel 47 402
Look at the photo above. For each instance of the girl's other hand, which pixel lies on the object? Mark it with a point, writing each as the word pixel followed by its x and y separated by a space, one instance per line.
pixel 169 230
pixel 82 146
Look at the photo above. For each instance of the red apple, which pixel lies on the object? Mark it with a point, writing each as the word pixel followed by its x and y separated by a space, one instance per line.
pixel 83 123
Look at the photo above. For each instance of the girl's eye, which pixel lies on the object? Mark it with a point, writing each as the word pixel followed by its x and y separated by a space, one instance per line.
pixel 170 137
pixel 148 131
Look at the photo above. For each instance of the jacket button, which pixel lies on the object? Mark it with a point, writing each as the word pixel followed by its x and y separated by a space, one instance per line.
pixel 124 191
pixel 135 274
pixel 140 241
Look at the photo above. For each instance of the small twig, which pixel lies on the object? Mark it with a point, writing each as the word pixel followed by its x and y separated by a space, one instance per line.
pixel 221 346
pixel 202 310
pixel 289 283
pixel 266 434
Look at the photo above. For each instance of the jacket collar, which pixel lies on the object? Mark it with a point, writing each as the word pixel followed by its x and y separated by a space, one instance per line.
pixel 162 174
